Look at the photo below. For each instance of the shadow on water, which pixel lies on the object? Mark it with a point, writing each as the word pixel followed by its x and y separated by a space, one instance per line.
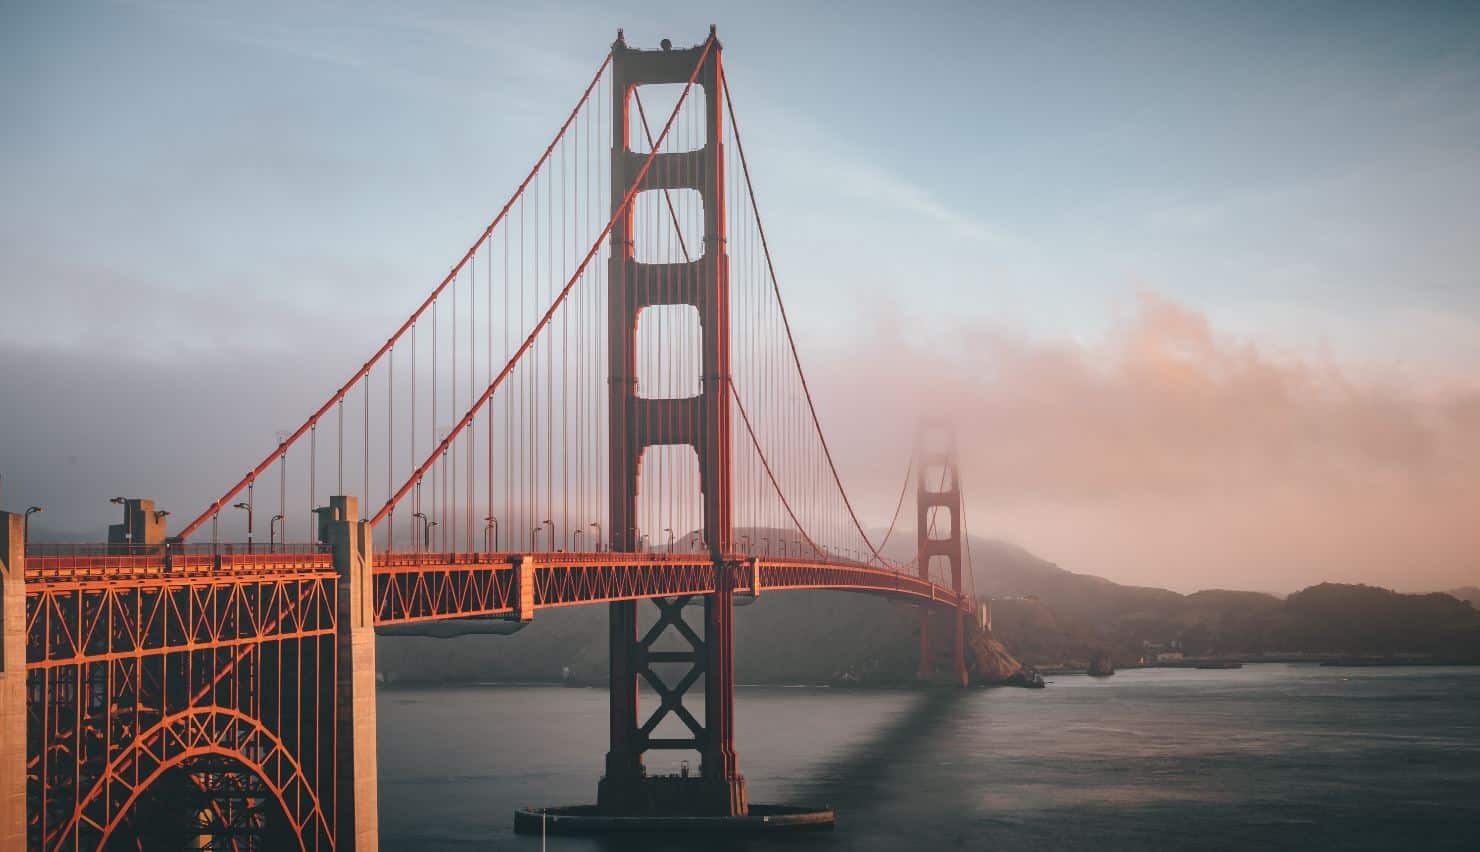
pixel 858 778
pixel 854 784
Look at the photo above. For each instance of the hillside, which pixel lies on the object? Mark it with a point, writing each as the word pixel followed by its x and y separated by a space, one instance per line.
pixel 1470 594
pixel 1050 617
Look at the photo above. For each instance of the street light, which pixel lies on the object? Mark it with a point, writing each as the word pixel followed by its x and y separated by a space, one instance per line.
pixel 490 528
pixel 598 535
pixel 272 528
pixel 767 540
pixel 575 536
pixel 534 538
pixel 669 530
pixel 426 535
pixel 248 507
pixel 552 532
pixel 428 542
pixel 26 530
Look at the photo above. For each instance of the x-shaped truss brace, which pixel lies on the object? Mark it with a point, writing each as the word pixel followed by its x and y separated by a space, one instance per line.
pixel 670 615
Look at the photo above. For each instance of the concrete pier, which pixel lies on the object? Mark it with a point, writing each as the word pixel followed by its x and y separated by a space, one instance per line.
pixel 357 821
pixel 12 681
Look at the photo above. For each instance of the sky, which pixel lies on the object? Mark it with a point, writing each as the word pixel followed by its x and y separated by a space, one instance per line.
pixel 1198 282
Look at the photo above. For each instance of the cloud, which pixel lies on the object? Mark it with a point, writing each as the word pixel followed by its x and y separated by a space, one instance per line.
pixel 1168 453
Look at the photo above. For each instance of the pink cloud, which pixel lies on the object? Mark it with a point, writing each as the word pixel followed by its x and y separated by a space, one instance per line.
pixel 1170 454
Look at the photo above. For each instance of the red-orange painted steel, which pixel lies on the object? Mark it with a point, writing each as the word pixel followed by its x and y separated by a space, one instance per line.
pixel 413 587
pixel 147 670
pixel 308 424
pixel 137 667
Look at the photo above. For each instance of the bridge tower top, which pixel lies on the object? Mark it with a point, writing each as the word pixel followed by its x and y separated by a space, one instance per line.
pixel 938 488
pixel 702 421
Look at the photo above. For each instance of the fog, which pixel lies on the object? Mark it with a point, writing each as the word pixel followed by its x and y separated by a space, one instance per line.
pixel 1166 453
pixel 1173 455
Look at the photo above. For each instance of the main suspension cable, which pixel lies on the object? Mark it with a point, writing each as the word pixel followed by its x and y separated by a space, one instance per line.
pixel 339 395
pixel 786 324
pixel 554 305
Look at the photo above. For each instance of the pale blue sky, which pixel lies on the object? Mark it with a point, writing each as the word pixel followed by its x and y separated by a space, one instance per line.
pixel 268 188
pixel 1304 171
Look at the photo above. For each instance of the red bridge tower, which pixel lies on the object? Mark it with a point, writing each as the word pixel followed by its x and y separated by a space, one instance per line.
pixel 701 422
pixel 938 486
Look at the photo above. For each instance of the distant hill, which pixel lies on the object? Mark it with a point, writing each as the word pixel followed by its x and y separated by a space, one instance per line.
pixel 1049 616
pixel 1470 594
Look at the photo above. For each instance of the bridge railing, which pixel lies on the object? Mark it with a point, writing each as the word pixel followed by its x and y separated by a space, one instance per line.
pixel 430 585
pixel 111 561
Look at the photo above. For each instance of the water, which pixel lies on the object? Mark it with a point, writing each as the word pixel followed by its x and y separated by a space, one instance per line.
pixel 1264 757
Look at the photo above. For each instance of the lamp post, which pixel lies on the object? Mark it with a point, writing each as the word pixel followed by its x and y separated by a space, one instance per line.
pixel 490 529
pixel 534 537
pixel 669 530
pixel 425 533
pixel 551 525
pixel 273 524
pixel 575 537
pixel 597 526
pixel 428 541
pixel 26 529
pixel 248 507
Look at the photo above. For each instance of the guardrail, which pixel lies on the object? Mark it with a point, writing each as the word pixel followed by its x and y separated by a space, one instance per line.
pixel 68 562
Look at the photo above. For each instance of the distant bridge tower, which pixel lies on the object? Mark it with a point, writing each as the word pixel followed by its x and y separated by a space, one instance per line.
pixel 701 422
pixel 938 487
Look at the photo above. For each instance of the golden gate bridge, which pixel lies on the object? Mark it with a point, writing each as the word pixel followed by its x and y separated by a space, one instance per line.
pixel 602 402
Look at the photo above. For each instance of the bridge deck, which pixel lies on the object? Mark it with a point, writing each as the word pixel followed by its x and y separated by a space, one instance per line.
pixel 91 605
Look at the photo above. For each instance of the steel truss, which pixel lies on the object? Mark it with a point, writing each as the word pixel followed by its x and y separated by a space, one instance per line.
pixel 214 688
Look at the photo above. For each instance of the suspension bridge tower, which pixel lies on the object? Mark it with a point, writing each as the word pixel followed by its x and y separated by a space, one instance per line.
pixel 701 422
pixel 938 520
